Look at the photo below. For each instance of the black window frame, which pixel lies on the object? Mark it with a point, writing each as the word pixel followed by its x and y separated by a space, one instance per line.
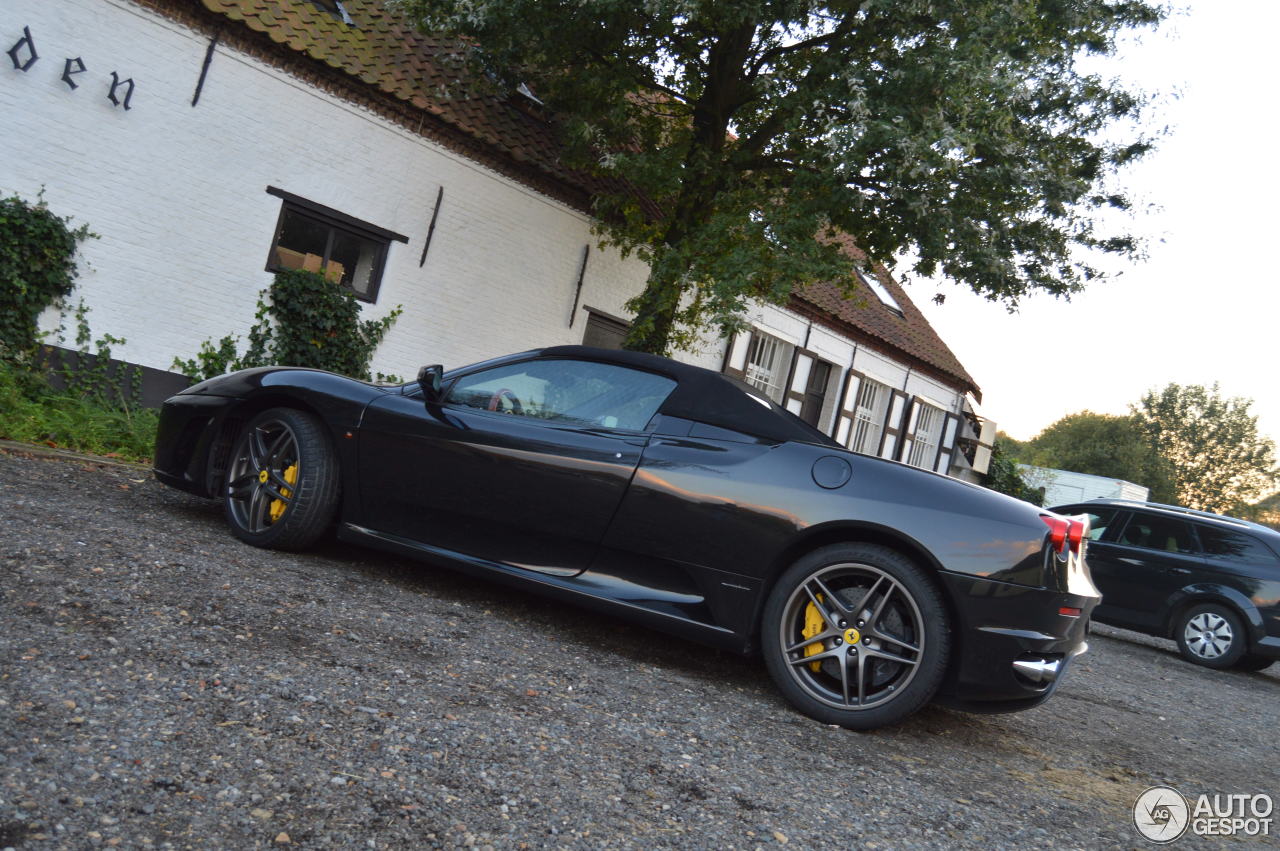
pixel 334 220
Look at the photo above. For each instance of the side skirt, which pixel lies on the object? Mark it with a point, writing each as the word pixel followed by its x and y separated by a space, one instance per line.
pixel 571 589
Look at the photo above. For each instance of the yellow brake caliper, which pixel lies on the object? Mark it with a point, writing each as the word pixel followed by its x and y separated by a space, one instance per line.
pixel 813 625
pixel 278 505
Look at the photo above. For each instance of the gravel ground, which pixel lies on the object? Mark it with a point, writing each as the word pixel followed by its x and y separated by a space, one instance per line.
pixel 163 685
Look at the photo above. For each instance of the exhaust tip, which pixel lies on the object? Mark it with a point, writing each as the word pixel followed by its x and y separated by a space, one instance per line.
pixel 1038 670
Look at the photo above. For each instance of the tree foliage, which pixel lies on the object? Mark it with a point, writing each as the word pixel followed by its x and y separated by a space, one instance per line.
pixel 1218 459
pixel 1102 445
pixel 962 131
pixel 1004 477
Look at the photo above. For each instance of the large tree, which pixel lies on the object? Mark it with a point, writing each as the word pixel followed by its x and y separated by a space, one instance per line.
pixel 1102 445
pixel 964 133
pixel 1219 461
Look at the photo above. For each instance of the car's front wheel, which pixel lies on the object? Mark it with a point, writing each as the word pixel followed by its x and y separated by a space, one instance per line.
pixel 856 635
pixel 1211 635
pixel 282 482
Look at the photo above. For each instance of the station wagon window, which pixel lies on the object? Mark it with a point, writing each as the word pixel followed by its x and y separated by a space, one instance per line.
pixel 1233 546
pixel 566 391
pixel 1100 520
pixel 1153 532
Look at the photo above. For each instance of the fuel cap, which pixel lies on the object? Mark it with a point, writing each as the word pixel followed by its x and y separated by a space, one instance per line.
pixel 831 472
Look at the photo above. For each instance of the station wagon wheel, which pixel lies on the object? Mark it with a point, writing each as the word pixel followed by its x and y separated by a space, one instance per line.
pixel 1250 662
pixel 1211 635
pixel 282 481
pixel 856 635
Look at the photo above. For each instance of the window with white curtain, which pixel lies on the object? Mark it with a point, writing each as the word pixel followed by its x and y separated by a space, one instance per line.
pixel 924 446
pixel 868 416
pixel 767 363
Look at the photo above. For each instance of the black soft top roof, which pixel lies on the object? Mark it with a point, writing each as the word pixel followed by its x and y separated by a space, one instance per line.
pixel 707 397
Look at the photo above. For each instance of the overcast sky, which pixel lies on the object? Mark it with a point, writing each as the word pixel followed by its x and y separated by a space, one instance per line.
pixel 1205 306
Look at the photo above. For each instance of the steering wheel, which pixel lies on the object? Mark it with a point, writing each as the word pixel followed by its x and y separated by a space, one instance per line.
pixel 495 402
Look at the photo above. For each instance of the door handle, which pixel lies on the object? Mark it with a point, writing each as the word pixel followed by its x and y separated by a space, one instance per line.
pixel 1179 570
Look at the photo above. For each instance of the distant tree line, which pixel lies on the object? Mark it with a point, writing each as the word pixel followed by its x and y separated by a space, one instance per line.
pixel 1188 444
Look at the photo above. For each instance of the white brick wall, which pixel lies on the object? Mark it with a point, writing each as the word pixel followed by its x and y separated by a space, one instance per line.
pixel 177 195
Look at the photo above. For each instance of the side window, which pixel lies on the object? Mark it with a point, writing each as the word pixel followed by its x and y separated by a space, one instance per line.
pixel 1154 532
pixel 1100 520
pixel 566 391
pixel 1233 546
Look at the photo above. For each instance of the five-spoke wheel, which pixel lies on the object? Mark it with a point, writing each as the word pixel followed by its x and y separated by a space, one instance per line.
pixel 282 481
pixel 856 635
pixel 1211 635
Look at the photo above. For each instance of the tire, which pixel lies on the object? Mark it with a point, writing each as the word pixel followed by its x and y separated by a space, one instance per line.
pixel 1210 635
pixel 873 658
pixel 1250 662
pixel 281 490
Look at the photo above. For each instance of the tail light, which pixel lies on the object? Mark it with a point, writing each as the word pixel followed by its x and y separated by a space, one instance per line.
pixel 1065 534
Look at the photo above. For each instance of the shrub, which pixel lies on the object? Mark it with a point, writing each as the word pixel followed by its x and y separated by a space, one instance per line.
pixel 37 269
pixel 303 319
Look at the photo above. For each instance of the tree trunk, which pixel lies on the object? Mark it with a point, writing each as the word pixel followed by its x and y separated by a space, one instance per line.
pixel 655 312
pixel 704 177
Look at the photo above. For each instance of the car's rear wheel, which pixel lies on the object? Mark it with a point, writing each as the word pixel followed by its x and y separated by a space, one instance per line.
pixel 282 482
pixel 1250 662
pixel 1211 635
pixel 856 635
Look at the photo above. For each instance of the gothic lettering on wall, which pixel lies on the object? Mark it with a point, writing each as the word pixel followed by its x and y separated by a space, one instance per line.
pixel 117 84
pixel 23 55
pixel 17 50
pixel 73 66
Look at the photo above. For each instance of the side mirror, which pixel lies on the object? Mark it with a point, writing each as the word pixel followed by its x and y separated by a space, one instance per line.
pixel 429 379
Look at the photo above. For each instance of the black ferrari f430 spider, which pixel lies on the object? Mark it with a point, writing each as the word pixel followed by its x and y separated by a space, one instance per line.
pixel 664 493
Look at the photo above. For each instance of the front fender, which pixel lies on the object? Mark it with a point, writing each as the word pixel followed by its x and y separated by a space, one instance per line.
pixel 1218 593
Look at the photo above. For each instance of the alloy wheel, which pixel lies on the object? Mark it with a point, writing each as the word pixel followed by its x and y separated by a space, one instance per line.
pixel 263 475
pixel 852 636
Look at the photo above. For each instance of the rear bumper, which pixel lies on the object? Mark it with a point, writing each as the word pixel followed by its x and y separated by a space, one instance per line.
pixel 1000 623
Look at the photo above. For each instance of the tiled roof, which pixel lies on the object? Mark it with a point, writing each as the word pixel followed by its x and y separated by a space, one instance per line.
pixel 909 332
pixel 384 51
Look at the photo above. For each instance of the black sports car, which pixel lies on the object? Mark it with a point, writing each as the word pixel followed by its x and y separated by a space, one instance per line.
pixel 666 493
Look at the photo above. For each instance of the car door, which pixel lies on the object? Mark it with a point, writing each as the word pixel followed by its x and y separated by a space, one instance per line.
pixel 1140 565
pixel 523 463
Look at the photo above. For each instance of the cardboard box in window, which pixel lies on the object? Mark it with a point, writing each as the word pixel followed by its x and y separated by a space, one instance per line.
pixel 290 259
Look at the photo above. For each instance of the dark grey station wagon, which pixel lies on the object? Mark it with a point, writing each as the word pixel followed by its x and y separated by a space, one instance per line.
pixel 1209 582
